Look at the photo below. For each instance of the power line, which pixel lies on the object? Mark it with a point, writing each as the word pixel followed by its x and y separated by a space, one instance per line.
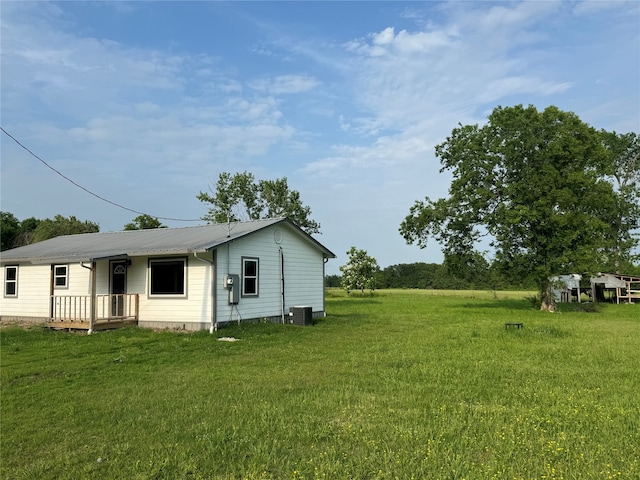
pixel 89 191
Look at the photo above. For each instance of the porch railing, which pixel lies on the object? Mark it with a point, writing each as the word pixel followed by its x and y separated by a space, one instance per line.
pixel 77 308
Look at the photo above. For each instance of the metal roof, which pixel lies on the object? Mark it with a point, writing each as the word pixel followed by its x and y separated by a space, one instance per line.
pixel 159 241
pixel 613 280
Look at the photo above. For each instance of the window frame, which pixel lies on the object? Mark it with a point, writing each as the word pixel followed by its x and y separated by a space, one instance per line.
pixel 8 281
pixel 245 277
pixel 165 260
pixel 65 286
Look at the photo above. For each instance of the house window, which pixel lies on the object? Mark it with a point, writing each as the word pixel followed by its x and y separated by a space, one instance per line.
pixel 60 276
pixel 11 281
pixel 167 277
pixel 249 277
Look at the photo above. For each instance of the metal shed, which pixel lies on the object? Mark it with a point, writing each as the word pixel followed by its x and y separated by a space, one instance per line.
pixel 621 287
pixel 565 287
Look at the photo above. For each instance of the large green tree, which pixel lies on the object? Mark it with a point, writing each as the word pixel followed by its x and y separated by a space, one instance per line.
pixel 240 197
pixel 532 181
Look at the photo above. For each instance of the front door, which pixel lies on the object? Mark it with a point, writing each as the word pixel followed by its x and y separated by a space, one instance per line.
pixel 118 287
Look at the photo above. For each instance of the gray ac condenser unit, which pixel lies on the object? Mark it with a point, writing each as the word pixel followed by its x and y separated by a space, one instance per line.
pixel 301 315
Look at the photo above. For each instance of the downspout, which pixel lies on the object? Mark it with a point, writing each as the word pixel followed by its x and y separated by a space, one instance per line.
pixel 282 282
pixel 92 302
pixel 324 287
pixel 51 298
pixel 213 327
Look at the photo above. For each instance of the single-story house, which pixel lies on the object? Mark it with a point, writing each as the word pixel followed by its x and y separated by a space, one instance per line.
pixel 189 278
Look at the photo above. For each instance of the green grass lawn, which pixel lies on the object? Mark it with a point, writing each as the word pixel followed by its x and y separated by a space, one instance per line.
pixel 404 384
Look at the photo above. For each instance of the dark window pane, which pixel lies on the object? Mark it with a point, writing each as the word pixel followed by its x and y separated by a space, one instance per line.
pixel 250 286
pixel 61 271
pixel 10 288
pixel 167 278
pixel 12 273
pixel 250 268
pixel 60 281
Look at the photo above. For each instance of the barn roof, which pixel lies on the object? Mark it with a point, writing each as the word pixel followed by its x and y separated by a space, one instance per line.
pixel 159 241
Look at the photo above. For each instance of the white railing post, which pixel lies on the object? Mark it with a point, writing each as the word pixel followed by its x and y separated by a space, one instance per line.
pixel 94 308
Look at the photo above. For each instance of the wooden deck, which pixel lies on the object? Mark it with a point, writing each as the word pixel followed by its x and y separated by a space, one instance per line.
pixel 75 312
pixel 98 325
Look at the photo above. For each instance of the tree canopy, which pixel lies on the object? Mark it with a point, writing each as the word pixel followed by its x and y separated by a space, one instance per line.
pixel 623 160
pixel 144 222
pixel 31 230
pixel 60 225
pixel 239 197
pixel 360 271
pixel 535 183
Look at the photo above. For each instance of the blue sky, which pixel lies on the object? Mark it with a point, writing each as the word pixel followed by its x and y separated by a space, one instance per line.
pixel 145 103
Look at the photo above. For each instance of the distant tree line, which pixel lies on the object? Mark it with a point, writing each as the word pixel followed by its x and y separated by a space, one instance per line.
pixel 476 275
pixel 437 276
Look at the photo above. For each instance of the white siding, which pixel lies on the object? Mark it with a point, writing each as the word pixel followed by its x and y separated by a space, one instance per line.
pixel 33 293
pixel 194 307
pixel 34 289
pixel 303 274
pixel 79 281
pixel 102 277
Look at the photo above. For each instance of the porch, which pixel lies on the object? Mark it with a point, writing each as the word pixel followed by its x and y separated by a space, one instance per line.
pixel 99 312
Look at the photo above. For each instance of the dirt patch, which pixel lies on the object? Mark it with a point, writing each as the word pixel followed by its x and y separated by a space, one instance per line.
pixel 16 322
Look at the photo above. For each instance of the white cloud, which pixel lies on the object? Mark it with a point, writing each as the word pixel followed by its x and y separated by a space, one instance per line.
pixel 171 140
pixel 503 87
pixel 387 157
pixel 385 37
pixel 474 56
pixel 111 93
pixel 285 84
pixel 514 16
pixel 589 7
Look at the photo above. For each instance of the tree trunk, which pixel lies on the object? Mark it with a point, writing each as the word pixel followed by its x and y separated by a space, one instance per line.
pixel 547 301
pixel 548 306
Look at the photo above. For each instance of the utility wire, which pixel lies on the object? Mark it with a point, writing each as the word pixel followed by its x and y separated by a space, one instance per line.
pixel 89 191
